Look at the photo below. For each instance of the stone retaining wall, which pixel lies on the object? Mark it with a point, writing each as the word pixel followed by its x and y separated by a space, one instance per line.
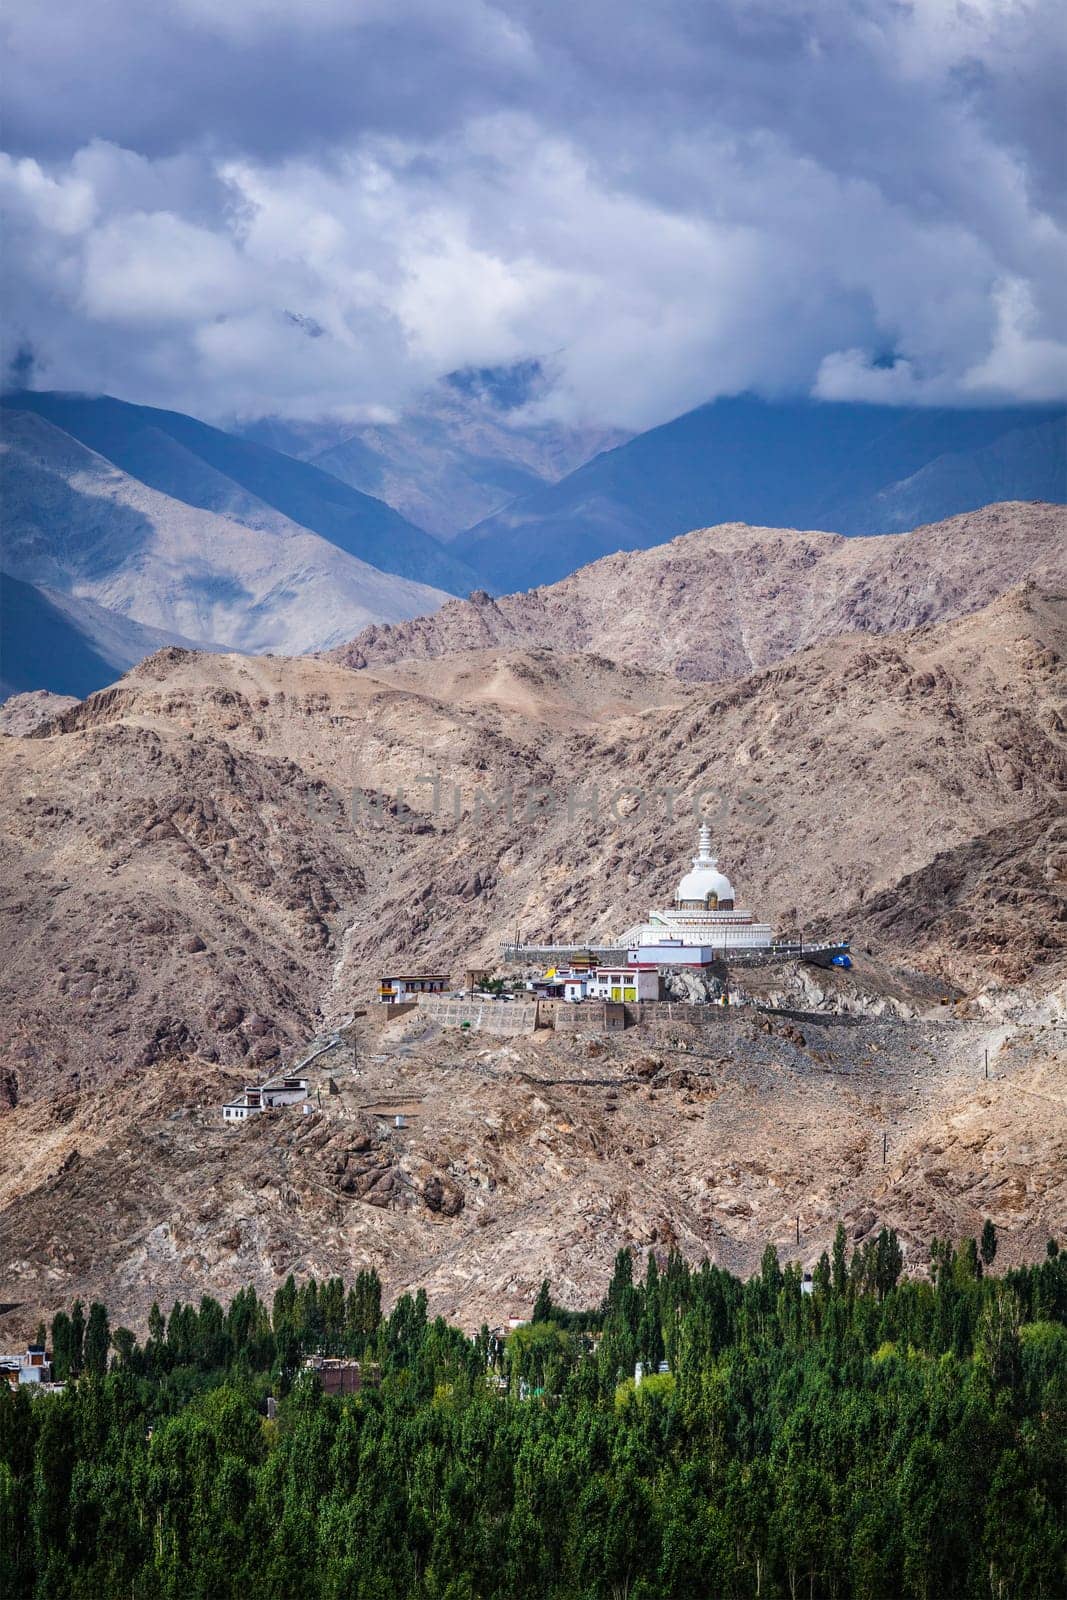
pixel 663 1019
pixel 590 1016
pixel 504 1018
pixel 396 1008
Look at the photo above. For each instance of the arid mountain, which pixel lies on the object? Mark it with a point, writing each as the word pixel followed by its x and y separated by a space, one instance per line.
pixel 719 602
pixel 75 523
pixel 859 469
pixel 189 900
pixel 210 798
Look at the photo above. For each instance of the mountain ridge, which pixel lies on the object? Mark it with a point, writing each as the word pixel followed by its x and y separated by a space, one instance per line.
pixel 719 602
pixel 854 468
pixel 191 899
pixel 453 456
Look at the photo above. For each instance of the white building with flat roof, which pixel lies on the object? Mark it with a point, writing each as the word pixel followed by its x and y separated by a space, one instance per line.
pixel 259 1097
pixel 627 984
pixel 34 1366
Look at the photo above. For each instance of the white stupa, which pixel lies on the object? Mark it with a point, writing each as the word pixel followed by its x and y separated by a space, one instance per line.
pixel 704 917
pixel 705 885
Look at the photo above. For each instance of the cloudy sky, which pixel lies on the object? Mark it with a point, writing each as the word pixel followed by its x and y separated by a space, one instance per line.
pixel 317 207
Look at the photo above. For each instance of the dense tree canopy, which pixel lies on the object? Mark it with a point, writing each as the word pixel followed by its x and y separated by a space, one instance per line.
pixel 873 1439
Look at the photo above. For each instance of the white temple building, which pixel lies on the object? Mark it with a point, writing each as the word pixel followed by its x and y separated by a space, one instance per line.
pixel 703 922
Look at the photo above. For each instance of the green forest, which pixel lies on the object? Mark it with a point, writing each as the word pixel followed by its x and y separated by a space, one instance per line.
pixel 876 1438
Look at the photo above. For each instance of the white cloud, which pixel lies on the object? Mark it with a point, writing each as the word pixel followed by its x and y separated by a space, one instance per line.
pixel 63 205
pixel 1020 361
pixel 850 201
pixel 157 269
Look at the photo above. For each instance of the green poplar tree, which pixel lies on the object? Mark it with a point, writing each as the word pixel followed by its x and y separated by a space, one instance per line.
pixel 77 1336
pixel 61 1346
pixel 621 1280
pixel 97 1340
pixel 988 1246
pixel 542 1311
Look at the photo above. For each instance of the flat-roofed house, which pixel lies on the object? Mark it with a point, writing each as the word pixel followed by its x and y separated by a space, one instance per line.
pixel 33 1366
pixel 407 985
pixel 628 984
pixel 259 1097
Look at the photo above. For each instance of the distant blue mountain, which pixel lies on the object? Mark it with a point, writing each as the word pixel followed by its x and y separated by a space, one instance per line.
pixel 217 471
pixel 455 455
pixel 852 469
pixel 40 645
pixel 504 387
pixel 66 644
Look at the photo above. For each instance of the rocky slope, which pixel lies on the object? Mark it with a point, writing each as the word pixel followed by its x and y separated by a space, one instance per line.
pixel 719 602
pixel 533 1157
pixel 188 899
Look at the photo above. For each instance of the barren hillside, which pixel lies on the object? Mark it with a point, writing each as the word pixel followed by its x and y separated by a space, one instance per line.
pixel 210 863
pixel 719 602
pixel 881 786
pixel 534 1157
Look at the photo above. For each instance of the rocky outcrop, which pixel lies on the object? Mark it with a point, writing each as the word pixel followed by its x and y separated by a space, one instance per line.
pixel 24 714
pixel 442 1196
pixel 694 988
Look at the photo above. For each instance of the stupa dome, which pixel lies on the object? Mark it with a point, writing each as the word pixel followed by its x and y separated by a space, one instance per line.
pixel 705 877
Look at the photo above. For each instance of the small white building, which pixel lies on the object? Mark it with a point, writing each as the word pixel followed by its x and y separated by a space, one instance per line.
pixel 290 1092
pixel 672 953
pixel 629 984
pixel 621 984
pixel 264 1097
pixel 248 1104
pixel 33 1367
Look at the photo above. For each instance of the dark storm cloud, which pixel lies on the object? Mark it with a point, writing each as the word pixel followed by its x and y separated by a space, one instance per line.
pixel 266 81
pixel 672 200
